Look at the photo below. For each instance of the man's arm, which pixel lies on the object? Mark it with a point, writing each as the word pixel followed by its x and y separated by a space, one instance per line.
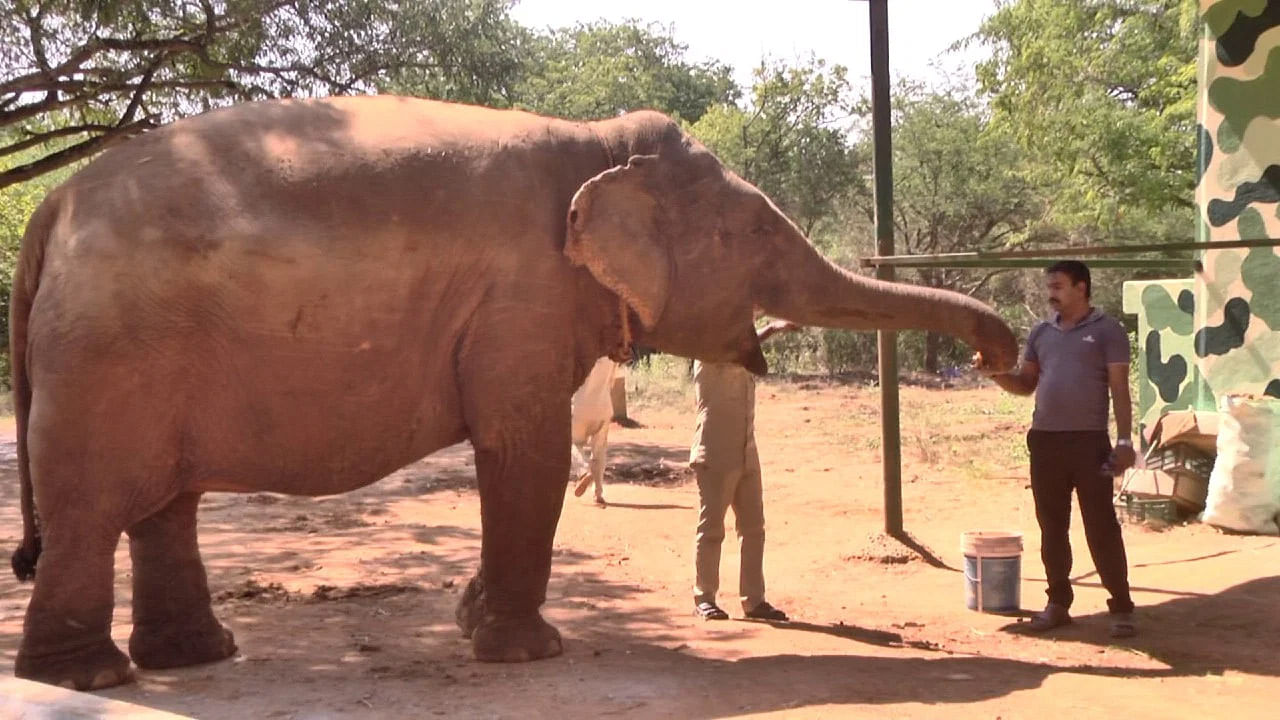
pixel 1022 380
pixel 1121 403
pixel 1124 455
pixel 775 327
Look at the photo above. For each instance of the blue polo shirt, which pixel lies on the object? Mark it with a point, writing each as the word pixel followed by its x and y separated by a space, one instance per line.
pixel 1072 393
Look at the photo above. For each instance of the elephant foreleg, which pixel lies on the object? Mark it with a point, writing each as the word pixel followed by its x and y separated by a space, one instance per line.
pixel 520 499
pixel 521 466
pixel 173 622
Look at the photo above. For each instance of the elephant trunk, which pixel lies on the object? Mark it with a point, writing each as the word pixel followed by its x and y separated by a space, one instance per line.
pixel 807 289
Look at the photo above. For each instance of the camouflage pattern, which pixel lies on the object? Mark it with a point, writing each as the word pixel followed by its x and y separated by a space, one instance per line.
pixel 1220 332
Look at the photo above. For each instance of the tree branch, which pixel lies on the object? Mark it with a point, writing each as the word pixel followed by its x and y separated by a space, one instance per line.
pixel 89 50
pixel 26 112
pixel 143 85
pixel 71 154
pixel 41 138
pixel 37 37
pixel 985 279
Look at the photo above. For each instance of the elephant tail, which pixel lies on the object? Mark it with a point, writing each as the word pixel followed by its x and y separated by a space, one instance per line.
pixel 26 279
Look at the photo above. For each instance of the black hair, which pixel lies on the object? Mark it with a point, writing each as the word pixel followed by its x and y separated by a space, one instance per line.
pixel 1077 271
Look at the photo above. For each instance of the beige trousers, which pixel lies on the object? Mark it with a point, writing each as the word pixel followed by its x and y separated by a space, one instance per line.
pixel 724 457
pixel 718 490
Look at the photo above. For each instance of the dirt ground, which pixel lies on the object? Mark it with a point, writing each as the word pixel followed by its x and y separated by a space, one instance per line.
pixel 343 606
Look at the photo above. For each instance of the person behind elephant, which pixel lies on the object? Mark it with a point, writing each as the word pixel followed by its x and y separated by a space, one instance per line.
pixel 1070 363
pixel 727 465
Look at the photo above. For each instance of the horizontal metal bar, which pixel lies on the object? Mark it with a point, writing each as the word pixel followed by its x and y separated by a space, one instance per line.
pixel 1059 253
pixel 925 261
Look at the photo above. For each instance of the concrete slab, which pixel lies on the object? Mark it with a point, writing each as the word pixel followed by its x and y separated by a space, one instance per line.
pixel 26 700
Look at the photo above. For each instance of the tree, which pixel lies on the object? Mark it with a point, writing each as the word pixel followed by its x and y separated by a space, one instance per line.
pixel 790 140
pixel 82 74
pixel 17 202
pixel 959 186
pixel 600 70
pixel 1101 93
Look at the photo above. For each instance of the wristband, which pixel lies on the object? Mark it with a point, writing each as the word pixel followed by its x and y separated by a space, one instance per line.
pixel 1124 442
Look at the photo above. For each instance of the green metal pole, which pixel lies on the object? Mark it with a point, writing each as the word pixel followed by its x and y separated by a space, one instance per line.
pixel 887 342
pixel 995 263
pixel 1066 253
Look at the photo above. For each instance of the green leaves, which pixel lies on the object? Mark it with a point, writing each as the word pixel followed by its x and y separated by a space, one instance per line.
pixel 1101 93
pixel 79 75
pixel 959 185
pixel 600 70
pixel 17 202
pixel 791 139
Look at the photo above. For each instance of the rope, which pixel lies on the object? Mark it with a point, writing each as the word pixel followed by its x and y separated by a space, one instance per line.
pixel 624 352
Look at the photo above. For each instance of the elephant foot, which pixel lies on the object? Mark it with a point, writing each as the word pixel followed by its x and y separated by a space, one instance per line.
pixel 161 646
pixel 504 639
pixel 471 607
pixel 97 666
pixel 519 639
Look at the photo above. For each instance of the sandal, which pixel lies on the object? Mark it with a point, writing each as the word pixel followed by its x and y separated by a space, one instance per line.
pixel 765 611
pixel 1122 626
pixel 708 610
pixel 1051 617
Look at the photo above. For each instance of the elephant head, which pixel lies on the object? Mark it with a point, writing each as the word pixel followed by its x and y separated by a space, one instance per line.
pixel 693 249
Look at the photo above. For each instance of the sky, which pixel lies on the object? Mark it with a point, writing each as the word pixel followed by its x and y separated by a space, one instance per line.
pixel 835 30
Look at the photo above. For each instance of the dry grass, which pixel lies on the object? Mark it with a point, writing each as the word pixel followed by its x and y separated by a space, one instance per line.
pixel 660 381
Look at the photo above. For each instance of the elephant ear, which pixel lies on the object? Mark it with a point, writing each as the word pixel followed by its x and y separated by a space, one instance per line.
pixel 613 231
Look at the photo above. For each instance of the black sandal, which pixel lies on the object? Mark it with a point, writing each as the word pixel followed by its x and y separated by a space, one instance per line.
pixel 1122 626
pixel 710 611
pixel 765 611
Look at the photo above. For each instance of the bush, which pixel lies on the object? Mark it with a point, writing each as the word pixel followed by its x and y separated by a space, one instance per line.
pixel 837 352
pixel 655 379
pixel 17 202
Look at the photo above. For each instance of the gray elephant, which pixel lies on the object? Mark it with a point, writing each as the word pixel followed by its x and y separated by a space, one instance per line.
pixel 304 296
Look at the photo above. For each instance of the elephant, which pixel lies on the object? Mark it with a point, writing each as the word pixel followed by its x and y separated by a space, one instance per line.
pixel 303 296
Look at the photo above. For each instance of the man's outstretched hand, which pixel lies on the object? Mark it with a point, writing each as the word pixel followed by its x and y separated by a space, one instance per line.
pixel 979 365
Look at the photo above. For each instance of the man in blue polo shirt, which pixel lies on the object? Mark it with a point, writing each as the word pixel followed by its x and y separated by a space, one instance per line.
pixel 1072 363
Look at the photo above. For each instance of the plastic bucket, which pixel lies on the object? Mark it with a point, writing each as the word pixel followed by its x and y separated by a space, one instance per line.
pixel 992 570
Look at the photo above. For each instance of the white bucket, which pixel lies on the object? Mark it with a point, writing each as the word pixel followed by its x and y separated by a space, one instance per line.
pixel 992 570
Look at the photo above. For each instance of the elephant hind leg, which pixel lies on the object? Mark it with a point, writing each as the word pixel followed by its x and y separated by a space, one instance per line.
pixel 471 606
pixel 173 621
pixel 66 637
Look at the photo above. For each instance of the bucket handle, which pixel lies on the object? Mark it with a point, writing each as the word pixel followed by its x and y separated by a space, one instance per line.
pixel 977 590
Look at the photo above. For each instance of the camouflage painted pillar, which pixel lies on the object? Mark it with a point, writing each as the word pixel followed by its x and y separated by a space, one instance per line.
pixel 1237 309
pixel 1221 332
pixel 1168 378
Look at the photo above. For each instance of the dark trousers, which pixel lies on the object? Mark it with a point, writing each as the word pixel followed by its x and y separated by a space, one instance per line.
pixel 1066 461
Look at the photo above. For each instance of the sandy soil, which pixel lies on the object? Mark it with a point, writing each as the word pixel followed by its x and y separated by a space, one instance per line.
pixel 343 606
